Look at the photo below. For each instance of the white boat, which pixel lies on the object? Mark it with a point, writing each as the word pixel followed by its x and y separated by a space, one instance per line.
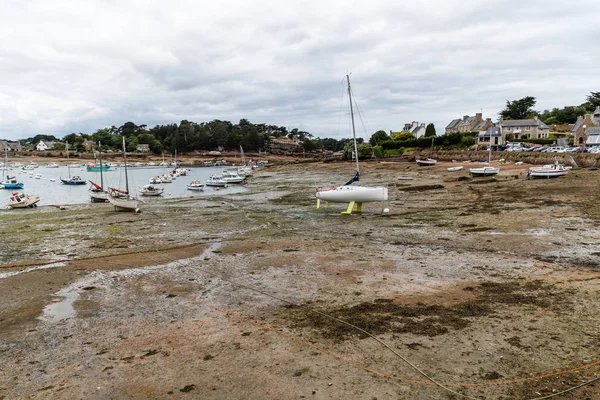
pixel 232 177
pixel 195 185
pixel 215 181
pixel 487 170
pixel 548 171
pixel 22 200
pixel 151 190
pixel 426 162
pixel 52 165
pixel 457 168
pixel 38 176
pixel 121 199
pixel 349 193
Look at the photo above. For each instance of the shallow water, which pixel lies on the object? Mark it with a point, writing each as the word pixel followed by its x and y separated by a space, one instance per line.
pixel 56 193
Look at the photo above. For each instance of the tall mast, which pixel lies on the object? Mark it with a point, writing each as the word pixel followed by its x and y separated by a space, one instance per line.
pixel 352 117
pixel 125 162
pixel 100 159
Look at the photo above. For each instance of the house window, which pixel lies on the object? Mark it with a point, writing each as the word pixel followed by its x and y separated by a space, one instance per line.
pixel 507 128
pixel 527 128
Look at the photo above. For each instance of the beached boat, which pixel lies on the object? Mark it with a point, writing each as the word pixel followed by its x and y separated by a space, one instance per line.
pixel 195 185
pixel 349 193
pixel 488 170
pixel 427 162
pixel 97 192
pixel 22 200
pixel 121 199
pixel 457 168
pixel 547 171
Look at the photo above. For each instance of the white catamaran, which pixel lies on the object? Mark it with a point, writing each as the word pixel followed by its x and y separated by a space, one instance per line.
pixel 350 193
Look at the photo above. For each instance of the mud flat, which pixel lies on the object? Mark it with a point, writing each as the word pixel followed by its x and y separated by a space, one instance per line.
pixel 487 288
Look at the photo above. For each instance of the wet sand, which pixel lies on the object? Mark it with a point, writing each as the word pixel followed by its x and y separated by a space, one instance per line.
pixel 488 286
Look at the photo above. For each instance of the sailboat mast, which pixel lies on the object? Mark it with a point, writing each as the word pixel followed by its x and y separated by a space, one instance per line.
pixel 125 163
pixel 100 159
pixel 352 118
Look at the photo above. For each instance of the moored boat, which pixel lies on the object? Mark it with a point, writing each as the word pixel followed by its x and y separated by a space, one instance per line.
pixel 195 185
pixel 151 190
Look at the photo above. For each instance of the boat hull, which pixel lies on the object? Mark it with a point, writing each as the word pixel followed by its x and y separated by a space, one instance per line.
pixel 455 168
pixel 540 174
pixel 23 201
pixel 427 162
pixel 124 203
pixel 98 196
pixel 485 171
pixel 348 193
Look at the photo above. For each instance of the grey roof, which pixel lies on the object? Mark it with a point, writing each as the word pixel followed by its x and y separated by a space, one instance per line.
pixel 524 122
pixel 492 131
pixel 467 121
pixel 593 130
pixel 453 123
pixel 479 126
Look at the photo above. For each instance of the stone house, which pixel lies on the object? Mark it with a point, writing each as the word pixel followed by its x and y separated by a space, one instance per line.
pixel 12 147
pixel 284 145
pixel 143 147
pixel 466 124
pixel 586 130
pixel 524 129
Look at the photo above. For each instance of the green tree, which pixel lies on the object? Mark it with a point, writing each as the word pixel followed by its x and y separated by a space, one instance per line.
pixel 378 137
pixel 519 109
pixel 430 130
pixel 593 101
pixel 400 136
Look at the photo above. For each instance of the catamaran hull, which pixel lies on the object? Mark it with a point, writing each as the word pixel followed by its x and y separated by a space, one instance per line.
pixel 358 194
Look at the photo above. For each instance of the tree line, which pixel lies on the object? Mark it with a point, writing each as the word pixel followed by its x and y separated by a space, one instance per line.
pixel 188 136
pixel 524 109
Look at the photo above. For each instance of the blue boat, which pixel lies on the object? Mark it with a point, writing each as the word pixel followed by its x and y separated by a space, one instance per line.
pixel 73 180
pixel 9 183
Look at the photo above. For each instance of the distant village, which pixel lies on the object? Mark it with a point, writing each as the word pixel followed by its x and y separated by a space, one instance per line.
pixel 584 132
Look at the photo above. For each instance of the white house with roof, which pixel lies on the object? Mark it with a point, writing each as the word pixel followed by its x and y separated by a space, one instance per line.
pixel 45 145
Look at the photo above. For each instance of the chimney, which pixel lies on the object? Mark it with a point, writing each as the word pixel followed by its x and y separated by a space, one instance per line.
pixel 465 117
pixel 478 116
pixel 535 117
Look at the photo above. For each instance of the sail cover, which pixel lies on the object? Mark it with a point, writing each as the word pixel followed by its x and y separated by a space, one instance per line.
pixel 356 178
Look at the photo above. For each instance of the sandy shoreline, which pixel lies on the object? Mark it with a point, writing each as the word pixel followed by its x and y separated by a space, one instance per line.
pixel 489 286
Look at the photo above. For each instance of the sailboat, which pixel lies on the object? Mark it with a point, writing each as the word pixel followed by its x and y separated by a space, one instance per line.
pixel 488 170
pixel 97 192
pixel 354 195
pixel 7 181
pixel 75 179
pixel 121 199
pixel 426 162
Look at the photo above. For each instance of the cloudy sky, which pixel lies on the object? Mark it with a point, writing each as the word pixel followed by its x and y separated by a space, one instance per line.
pixel 69 66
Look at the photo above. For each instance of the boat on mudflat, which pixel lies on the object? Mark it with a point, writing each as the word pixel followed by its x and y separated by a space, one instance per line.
pixel 426 162
pixel 22 200
pixel 547 171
